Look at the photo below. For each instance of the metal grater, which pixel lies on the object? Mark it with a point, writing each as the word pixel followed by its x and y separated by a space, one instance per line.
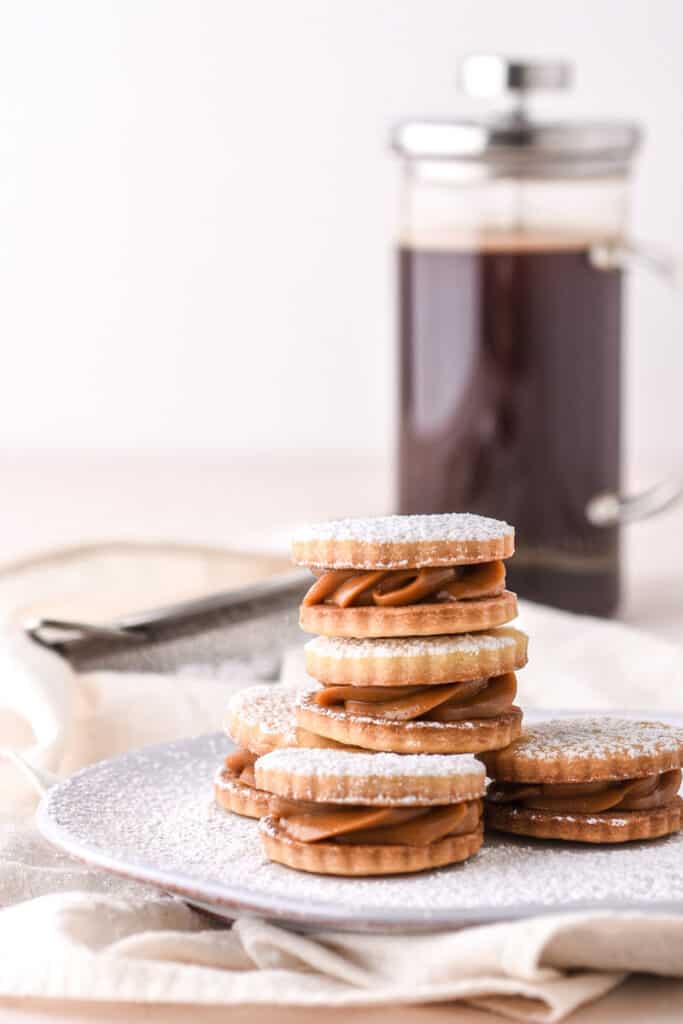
pixel 252 625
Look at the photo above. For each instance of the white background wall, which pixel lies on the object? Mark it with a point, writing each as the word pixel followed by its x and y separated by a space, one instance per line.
pixel 197 206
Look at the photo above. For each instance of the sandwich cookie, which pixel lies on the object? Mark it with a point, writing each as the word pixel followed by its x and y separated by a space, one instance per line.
pixel 258 719
pixel 371 814
pixel 405 575
pixel 429 695
pixel 591 780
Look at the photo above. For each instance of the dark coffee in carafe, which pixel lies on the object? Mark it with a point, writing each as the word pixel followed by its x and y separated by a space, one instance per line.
pixel 509 401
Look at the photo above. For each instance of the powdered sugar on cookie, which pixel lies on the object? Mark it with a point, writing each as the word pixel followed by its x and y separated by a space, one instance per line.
pixel 347 764
pixel 598 739
pixel 402 647
pixel 270 708
pixel 454 526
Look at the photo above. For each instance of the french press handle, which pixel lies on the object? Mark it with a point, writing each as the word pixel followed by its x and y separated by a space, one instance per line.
pixel 609 508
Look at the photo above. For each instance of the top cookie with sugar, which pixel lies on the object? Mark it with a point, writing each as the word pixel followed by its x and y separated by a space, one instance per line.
pixel 375 779
pixel 403 542
pixel 587 749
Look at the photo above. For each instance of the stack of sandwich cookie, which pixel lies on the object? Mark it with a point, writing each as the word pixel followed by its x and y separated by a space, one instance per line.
pixel 591 780
pixel 410 656
pixel 406 575
pixel 259 719
pixel 416 668
pixel 345 813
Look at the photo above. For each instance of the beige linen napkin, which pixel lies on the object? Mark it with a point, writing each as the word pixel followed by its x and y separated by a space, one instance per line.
pixel 68 931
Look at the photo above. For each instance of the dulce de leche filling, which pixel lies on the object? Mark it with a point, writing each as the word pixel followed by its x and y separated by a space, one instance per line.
pixel 347 588
pixel 450 702
pixel 590 797
pixel 379 826
pixel 240 766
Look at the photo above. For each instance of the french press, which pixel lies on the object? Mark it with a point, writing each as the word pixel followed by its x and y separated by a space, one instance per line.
pixel 513 248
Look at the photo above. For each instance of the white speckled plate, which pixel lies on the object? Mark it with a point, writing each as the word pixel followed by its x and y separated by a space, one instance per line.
pixel 149 816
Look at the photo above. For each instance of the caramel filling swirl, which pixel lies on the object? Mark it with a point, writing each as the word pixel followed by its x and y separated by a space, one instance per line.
pixel 449 702
pixel 380 826
pixel 240 766
pixel 346 588
pixel 590 797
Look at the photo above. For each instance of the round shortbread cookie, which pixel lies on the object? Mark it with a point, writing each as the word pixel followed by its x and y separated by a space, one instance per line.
pixel 430 619
pixel 263 718
pixel 400 542
pixel 357 860
pixel 373 780
pixel 588 750
pixel 408 661
pixel 470 736
pixel 605 827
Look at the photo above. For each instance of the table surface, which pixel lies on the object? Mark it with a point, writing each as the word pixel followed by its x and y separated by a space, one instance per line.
pixel 51 501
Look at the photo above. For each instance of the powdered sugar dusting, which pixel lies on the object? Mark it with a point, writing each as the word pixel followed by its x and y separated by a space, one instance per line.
pixel 406 647
pixel 454 526
pixel 223 780
pixel 598 738
pixel 150 815
pixel 270 708
pixel 346 764
pixel 528 814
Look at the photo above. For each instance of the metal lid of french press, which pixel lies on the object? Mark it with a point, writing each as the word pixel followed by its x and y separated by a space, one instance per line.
pixel 513 141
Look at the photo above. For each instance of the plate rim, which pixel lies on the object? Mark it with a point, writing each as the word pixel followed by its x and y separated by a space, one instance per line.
pixel 218 898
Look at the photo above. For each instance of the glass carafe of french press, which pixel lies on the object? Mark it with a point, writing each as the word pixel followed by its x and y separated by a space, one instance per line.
pixel 512 244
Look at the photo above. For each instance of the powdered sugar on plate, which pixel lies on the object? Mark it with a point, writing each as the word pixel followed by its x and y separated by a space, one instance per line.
pixel 597 738
pixel 345 764
pixel 453 526
pixel 149 815
pixel 406 647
